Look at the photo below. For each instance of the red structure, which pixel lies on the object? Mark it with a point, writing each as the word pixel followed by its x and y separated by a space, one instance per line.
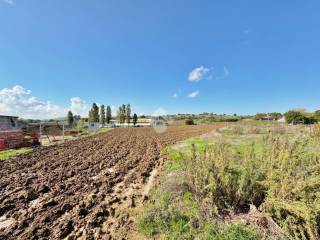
pixel 18 139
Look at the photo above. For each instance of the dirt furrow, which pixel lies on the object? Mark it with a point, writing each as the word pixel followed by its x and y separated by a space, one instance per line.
pixel 76 190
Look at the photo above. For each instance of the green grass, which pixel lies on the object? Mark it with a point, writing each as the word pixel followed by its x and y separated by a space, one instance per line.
pixel 199 143
pixel 6 154
pixel 230 232
pixel 104 130
pixel 171 218
pixel 174 162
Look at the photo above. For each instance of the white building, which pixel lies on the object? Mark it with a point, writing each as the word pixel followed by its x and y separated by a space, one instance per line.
pixel 93 125
pixel 282 120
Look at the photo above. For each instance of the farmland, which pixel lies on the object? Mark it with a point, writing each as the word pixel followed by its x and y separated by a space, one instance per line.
pixel 79 188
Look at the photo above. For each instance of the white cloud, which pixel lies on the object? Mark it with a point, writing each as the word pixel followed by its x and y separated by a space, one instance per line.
pixel 18 101
pixel 193 94
pixel 175 95
pixel 79 107
pixel 11 2
pixel 198 73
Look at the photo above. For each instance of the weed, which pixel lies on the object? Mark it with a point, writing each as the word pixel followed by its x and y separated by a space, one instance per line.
pixel 161 217
pixel 316 131
pixel 174 162
pixel 6 154
pixel 236 232
pixel 278 173
pixel 283 177
pixel 238 130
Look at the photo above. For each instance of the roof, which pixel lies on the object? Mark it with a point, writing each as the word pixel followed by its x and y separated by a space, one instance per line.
pixel 6 116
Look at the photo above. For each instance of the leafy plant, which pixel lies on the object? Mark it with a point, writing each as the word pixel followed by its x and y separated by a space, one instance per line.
pixel 283 177
pixel 298 117
pixel 189 121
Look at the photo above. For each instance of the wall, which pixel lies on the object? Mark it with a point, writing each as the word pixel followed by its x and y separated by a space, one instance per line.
pixel 8 123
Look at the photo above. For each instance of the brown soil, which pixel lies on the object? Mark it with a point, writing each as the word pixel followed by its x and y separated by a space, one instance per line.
pixel 80 189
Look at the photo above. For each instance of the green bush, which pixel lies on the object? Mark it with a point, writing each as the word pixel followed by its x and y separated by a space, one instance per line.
pixel 294 117
pixel 317 115
pixel 279 174
pixel 283 177
pixel 189 121
pixel 298 117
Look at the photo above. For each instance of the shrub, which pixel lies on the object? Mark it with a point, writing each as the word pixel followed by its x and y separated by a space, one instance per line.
pixel 317 115
pixel 260 116
pixel 223 179
pixel 282 177
pixel 279 174
pixel 271 116
pixel 298 117
pixel 294 117
pixel 189 121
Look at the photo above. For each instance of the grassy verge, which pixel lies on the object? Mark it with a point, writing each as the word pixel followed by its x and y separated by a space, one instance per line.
pixel 209 188
pixel 6 154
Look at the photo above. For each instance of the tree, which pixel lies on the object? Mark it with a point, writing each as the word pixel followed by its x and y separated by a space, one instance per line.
pixel 135 119
pixel 102 115
pixel 119 115
pixel 275 115
pixel 82 123
pixel 108 114
pixel 294 117
pixel 123 113
pixel 260 116
pixel 70 118
pixel 76 117
pixel 94 113
pixel 269 116
pixel 317 115
pixel 128 113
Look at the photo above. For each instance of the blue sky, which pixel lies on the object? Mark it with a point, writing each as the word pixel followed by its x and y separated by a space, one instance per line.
pixel 182 56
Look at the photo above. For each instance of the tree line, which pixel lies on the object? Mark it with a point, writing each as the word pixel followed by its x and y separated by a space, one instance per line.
pixel 103 115
pixel 292 116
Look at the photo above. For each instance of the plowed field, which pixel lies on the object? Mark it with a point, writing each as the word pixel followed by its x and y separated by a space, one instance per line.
pixel 78 190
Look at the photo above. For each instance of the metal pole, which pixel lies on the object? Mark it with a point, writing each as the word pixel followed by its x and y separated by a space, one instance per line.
pixel 40 133
pixel 63 131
